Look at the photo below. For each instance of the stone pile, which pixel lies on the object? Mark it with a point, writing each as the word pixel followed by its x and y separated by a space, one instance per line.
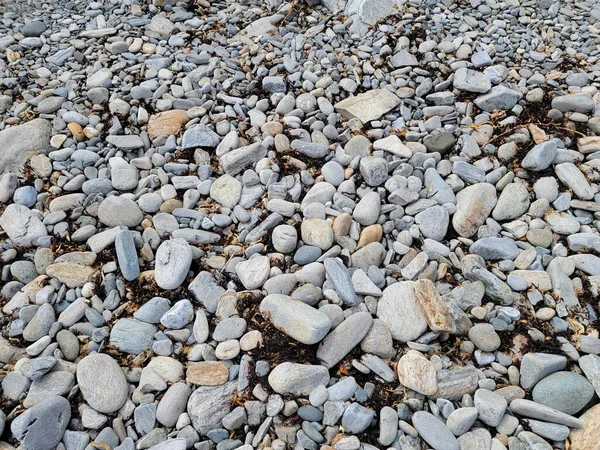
pixel 321 225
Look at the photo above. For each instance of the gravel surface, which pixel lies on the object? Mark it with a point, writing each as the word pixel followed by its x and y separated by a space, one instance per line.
pixel 307 224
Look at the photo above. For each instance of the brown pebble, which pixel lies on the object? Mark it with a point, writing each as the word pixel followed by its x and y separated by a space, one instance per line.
pixel 207 373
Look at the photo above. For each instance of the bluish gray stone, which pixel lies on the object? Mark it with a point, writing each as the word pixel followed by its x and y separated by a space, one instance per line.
pixel 434 431
pixel 344 338
pixel 499 98
pixel 495 248
pixel 200 136
pixel 132 336
pixel 540 156
pixel 568 392
pixel 102 382
pixel 152 310
pixel 208 405
pixel 535 366
pixel 357 418
pixel 338 274
pixel 127 255
pixel 42 426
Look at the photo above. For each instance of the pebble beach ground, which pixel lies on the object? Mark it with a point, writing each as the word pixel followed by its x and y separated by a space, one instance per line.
pixel 319 224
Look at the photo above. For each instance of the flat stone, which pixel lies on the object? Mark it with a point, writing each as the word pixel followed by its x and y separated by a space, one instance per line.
pixel 494 248
pixel 173 404
pixel 434 431
pixel 473 206
pixel 295 318
pixel 534 410
pixel 570 175
pixel 536 366
pixel 253 272
pixel 338 274
pixel 226 190
pixel 208 405
pixel 236 160
pixel 573 102
pixel 125 142
pixel 42 426
pixel 512 203
pixel 200 136
pixel 400 310
pixel 498 98
pixel 21 225
pixel 70 273
pixel 207 373
pixel 344 338
pixel 127 255
pixel 297 379
pixel 490 407
pixel 587 437
pixel 368 106
pixel 17 142
pixel 540 156
pixel 461 420
pixel 167 123
pixel 102 382
pixel 117 211
pixel 417 373
pixel 471 81
pixel 433 306
pixel 132 336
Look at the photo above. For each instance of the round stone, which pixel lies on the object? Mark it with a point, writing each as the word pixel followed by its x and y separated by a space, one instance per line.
pixel 284 238
pixel 568 392
pixel 102 382
pixel 484 337
pixel 117 211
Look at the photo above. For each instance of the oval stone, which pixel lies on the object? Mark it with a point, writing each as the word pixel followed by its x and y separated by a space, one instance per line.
pixel 102 382
pixel 568 392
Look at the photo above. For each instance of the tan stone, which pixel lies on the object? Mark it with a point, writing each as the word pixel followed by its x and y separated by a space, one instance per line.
pixel 167 123
pixel 417 373
pixel 317 232
pixel 372 233
pixel 434 308
pixel 76 131
pixel 537 133
pixel 72 274
pixel 341 225
pixel 207 373
pixel 589 144
pixel 587 438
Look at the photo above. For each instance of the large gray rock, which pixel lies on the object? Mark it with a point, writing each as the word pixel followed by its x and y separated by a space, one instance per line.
pixel 295 318
pixel 16 143
pixel 42 426
pixel 235 161
pixel 473 206
pixel 535 366
pixel 208 405
pixel 102 382
pixel 568 392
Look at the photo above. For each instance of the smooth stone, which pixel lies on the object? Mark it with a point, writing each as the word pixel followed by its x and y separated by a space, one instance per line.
pixel 434 431
pixel 132 336
pixel 173 261
pixel 127 255
pixel 295 318
pixel 102 382
pixel 568 392
pixel 208 405
pixel 528 408
pixel 117 211
pixel 417 373
pixel 536 366
pixel 21 225
pixel 490 406
pixel 297 379
pixel 344 338
pixel 42 426
pixel 473 206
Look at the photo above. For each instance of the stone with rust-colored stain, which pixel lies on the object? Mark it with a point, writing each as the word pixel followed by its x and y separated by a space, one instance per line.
pixel 434 308
pixel 207 373
pixel 473 206
pixel 167 123
pixel 76 131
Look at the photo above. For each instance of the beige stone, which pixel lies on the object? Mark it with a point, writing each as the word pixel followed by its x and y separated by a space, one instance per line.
pixel 434 308
pixel 72 274
pixel 167 123
pixel 587 438
pixel 372 233
pixel 207 373
pixel 417 373
pixel 368 106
